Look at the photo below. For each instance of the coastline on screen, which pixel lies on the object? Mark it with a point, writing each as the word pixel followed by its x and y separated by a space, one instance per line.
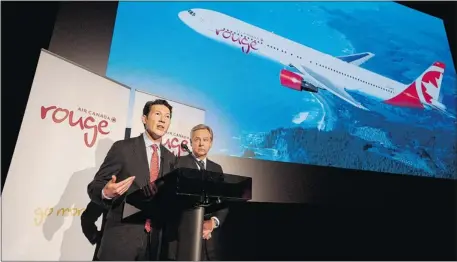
pixel 322 83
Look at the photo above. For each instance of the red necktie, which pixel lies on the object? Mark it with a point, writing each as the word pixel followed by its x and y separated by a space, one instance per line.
pixel 153 174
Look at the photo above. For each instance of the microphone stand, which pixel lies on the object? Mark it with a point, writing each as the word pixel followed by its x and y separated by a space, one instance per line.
pixel 204 198
pixel 192 222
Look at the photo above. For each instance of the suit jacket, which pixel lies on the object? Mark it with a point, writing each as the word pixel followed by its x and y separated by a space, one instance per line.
pixel 88 219
pixel 125 158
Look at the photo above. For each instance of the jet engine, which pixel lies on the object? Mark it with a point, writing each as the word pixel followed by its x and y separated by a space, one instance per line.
pixel 295 81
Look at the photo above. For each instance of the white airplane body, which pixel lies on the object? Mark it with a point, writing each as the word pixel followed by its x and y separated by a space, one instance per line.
pixel 317 70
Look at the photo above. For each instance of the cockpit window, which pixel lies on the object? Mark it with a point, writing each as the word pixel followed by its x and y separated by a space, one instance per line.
pixel 191 12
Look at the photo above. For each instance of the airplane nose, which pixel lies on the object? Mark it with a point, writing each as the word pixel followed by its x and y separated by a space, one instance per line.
pixel 182 15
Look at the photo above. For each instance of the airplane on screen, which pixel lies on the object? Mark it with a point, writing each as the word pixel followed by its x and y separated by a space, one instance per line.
pixel 310 70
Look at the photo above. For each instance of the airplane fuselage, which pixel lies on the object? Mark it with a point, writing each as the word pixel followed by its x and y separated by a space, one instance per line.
pixel 254 40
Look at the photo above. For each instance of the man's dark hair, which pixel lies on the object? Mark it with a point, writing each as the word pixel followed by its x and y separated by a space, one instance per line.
pixel 149 104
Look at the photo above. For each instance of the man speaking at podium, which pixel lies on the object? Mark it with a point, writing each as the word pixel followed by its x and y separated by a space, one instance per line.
pixel 140 160
pixel 201 138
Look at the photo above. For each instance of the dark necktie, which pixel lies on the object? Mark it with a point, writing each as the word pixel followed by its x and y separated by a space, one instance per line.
pixel 202 164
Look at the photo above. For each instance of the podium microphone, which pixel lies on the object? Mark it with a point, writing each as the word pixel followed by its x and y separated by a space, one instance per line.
pixel 184 146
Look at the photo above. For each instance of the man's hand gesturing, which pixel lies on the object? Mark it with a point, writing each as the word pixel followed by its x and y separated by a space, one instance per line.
pixel 113 189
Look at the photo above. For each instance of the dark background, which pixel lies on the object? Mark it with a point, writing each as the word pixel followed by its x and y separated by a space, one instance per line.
pixel 346 214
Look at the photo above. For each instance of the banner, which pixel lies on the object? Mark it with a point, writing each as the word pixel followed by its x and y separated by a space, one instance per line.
pixel 72 118
pixel 184 117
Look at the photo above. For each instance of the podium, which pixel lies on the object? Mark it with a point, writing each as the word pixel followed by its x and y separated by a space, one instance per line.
pixel 186 192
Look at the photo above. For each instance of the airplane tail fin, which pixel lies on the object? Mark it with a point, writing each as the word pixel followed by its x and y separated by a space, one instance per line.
pixel 429 83
pixel 424 91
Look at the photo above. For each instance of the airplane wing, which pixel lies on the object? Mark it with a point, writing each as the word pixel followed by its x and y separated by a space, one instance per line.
pixel 356 59
pixel 323 83
pixel 341 93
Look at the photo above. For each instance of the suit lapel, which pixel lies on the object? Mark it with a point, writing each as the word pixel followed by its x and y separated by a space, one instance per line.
pixel 209 165
pixel 139 154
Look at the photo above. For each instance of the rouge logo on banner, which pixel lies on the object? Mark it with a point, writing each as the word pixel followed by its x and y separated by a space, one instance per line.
pixel 174 141
pixel 58 115
pixel 64 137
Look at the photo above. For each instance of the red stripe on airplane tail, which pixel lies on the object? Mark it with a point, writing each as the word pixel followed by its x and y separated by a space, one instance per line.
pixel 439 64
pixel 407 98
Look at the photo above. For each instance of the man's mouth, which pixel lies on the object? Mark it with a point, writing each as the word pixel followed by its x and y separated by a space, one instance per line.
pixel 160 127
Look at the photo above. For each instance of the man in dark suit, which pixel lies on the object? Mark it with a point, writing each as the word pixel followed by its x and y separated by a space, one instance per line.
pixel 138 161
pixel 201 138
